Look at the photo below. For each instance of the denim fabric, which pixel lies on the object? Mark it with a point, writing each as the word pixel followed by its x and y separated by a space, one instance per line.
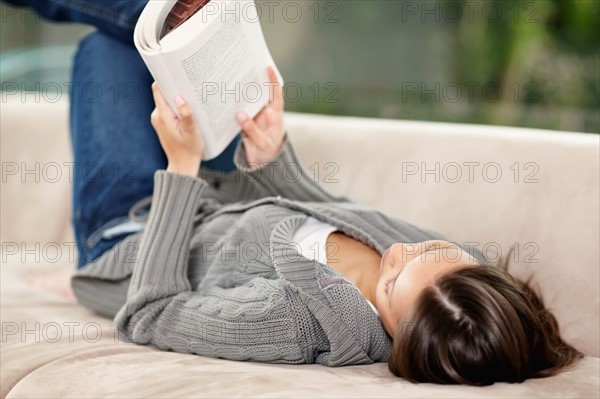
pixel 113 17
pixel 115 148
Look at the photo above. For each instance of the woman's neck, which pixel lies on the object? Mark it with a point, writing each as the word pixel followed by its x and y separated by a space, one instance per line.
pixel 357 262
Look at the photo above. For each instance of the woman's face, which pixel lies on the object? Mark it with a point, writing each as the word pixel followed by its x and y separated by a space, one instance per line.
pixel 406 269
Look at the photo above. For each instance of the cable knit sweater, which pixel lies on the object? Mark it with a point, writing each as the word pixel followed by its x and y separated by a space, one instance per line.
pixel 215 271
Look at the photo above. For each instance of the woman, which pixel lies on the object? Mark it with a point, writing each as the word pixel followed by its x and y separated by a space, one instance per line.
pixel 224 264
pixel 220 273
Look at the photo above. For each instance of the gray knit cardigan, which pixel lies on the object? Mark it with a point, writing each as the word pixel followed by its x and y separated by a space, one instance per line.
pixel 215 271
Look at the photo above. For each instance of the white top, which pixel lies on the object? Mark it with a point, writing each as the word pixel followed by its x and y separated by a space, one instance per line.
pixel 311 238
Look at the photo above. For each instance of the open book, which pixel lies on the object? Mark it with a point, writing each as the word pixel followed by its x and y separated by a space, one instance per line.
pixel 213 53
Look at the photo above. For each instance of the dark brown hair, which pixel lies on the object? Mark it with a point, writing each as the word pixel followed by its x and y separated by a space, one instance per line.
pixel 479 325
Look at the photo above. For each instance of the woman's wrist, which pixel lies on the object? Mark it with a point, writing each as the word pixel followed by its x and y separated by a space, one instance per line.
pixel 186 169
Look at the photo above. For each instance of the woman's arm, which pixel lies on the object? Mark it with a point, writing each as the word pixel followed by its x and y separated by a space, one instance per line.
pixel 179 136
pixel 266 161
pixel 251 321
pixel 284 176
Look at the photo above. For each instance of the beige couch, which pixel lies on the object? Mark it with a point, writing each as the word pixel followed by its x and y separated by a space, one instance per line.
pixel 545 202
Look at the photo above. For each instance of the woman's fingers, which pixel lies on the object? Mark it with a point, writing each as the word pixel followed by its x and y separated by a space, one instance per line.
pixel 162 106
pixel 264 135
pixel 184 119
pixel 276 89
pixel 186 116
pixel 249 127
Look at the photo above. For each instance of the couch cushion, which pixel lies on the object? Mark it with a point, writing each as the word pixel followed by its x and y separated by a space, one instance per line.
pixel 37 172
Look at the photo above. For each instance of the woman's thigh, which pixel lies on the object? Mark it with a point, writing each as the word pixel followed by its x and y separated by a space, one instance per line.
pixel 114 17
pixel 115 148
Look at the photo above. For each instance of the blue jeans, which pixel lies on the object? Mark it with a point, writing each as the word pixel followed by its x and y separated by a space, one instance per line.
pixel 115 148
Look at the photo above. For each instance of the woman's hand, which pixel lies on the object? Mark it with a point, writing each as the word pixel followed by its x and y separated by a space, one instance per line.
pixel 179 137
pixel 263 136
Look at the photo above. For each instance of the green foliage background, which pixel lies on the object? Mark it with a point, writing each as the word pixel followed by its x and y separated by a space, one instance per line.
pixel 519 63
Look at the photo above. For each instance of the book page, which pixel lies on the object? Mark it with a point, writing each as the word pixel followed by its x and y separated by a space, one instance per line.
pixel 222 72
